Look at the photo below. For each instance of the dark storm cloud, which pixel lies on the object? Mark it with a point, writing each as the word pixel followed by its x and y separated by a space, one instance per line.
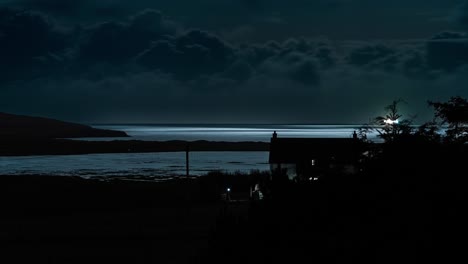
pixel 272 19
pixel 448 51
pixel 257 53
pixel 60 6
pixel 190 54
pixel 326 56
pixel 461 14
pixel 306 72
pixel 365 55
pixel 74 9
pixel 317 50
pixel 147 67
pixel 240 70
pixel 293 65
pixel 119 41
pixel 26 34
pixel 399 57
pixel 149 40
pixel 28 41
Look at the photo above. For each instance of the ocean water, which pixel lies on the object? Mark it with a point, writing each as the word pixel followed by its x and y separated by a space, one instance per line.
pixel 164 165
pixel 136 165
pixel 232 133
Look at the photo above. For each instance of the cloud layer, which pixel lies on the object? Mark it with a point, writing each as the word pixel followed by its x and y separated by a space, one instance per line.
pixel 150 68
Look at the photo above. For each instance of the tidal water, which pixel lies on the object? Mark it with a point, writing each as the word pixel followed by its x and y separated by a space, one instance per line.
pixel 166 165
pixel 232 133
pixel 144 165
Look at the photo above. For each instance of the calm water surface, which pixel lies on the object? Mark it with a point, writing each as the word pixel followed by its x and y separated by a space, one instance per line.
pixel 134 164
pixel 233 133
pixel 171 164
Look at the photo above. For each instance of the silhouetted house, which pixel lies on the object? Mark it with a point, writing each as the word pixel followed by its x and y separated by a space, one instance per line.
pixel 311 158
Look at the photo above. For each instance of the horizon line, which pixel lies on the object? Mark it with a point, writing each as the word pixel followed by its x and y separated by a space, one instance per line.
pixel 233 124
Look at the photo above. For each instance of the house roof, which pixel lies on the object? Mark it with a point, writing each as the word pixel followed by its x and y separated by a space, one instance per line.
pixel 293 150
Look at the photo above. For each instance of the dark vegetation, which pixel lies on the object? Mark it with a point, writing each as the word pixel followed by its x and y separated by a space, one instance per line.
pixel 406 204
pixel 73 220
pixel 412 209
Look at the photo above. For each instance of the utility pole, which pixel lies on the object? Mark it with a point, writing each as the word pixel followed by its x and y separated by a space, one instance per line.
pixel 187 160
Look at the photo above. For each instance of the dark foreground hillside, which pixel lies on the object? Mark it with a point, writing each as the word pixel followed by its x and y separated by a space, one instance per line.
pixel 407 205
pixel 70 220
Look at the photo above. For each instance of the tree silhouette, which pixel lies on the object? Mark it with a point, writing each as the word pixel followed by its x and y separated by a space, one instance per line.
pixel 390 126
pixel 454 115
pixel 429 132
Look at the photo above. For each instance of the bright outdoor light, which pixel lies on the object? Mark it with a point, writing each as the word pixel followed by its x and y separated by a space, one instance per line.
pixel 228 189
pixel 391 122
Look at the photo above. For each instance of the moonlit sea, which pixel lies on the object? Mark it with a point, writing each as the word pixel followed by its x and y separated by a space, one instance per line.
pixel 172 164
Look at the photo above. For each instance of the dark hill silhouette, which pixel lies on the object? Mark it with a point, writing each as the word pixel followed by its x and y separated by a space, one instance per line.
pixel 27 127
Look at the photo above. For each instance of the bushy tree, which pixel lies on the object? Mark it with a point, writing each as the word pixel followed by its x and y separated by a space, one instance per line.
pixel 391 126
pixel 454 115
pixel 429 132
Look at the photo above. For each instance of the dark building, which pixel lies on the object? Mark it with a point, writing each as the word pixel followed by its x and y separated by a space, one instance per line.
pixel 312 158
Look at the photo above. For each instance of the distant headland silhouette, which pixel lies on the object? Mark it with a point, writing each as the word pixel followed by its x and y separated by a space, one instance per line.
pixel 24 127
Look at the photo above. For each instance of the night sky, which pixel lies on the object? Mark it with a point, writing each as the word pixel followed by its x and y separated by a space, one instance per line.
pixel 230 61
